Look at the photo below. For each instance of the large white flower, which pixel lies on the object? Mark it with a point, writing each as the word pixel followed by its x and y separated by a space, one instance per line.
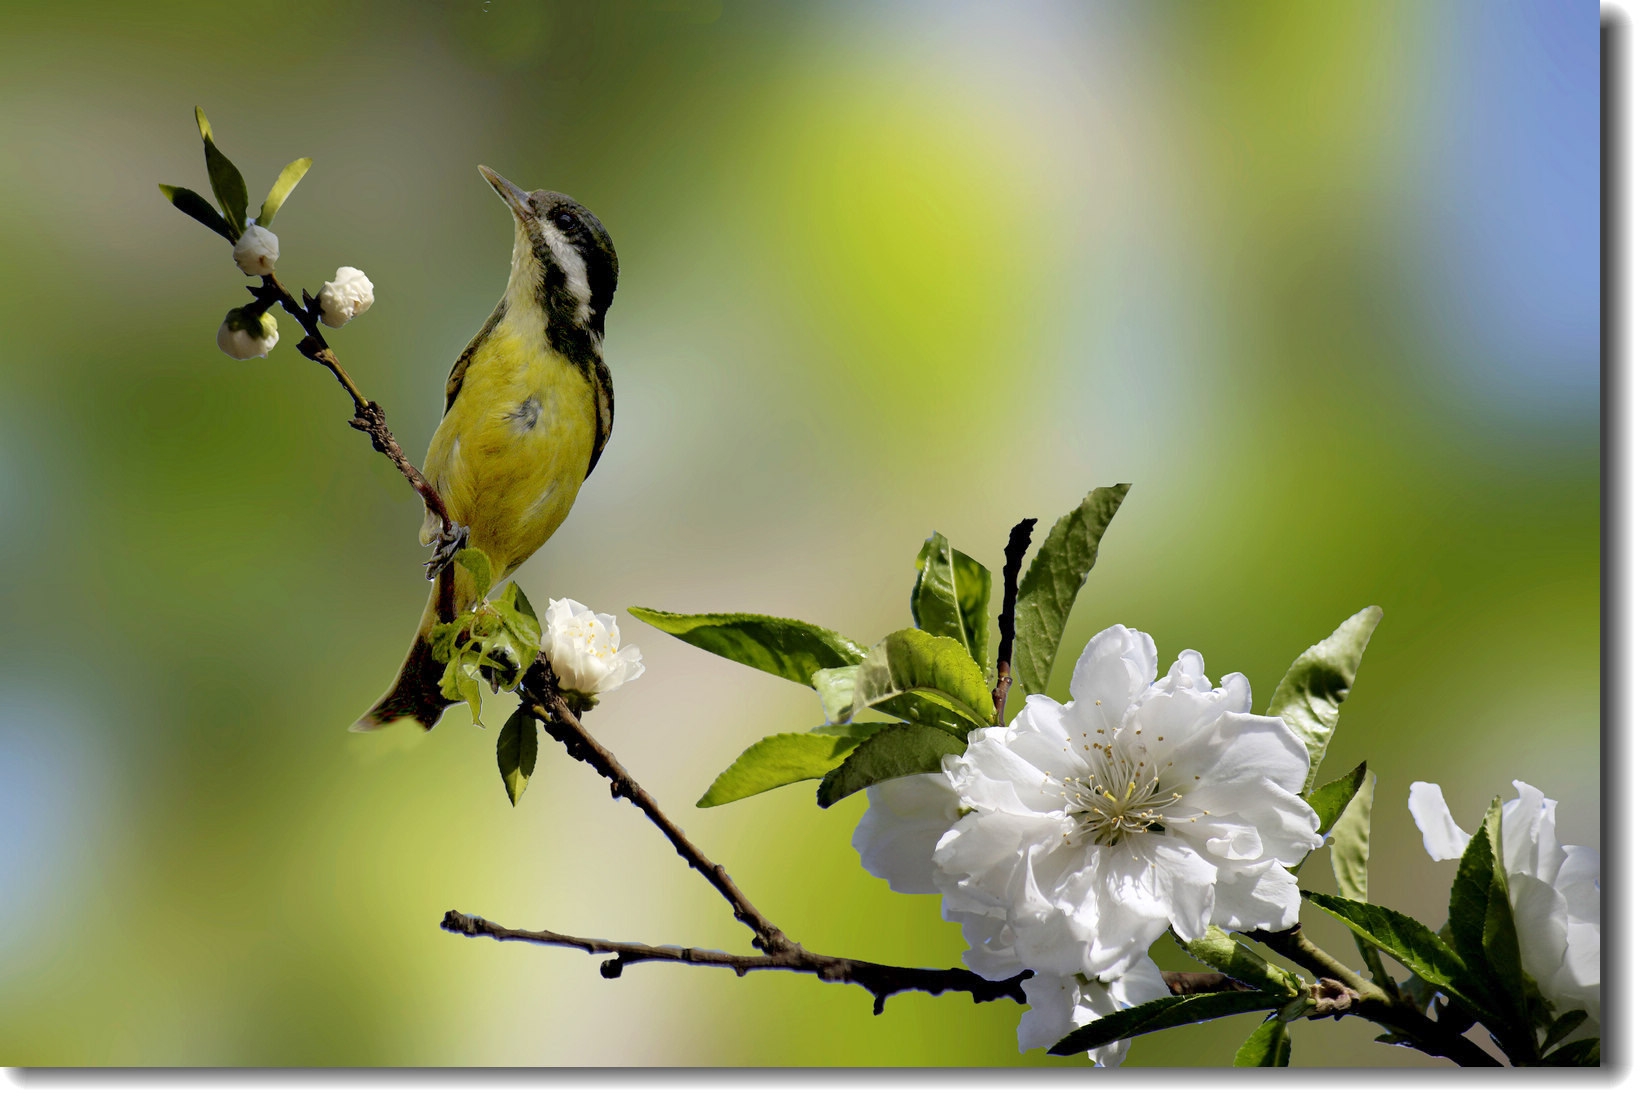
pixel 1059 1005
pixel 1140 805
pixel 583 649
pixel 1556 897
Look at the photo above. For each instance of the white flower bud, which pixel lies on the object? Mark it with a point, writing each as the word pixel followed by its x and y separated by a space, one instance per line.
pixel 257 250
pixel 243 336
pixel 583 649
pixel 346 297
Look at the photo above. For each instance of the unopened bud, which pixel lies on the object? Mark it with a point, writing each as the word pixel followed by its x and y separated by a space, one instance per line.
pixel 257 250
pixel 244 335
pixel 346 297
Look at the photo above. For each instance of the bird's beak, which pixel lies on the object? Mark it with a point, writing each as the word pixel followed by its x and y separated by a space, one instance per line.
pixel 517 199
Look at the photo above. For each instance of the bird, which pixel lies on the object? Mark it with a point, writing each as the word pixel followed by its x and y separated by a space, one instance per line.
pixel 528 414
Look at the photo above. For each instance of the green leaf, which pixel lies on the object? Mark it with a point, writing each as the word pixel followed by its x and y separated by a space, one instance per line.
pixel 1586 1053
pixel 1564 1026
pixel 1310 694
pixel 1352 834
pixel 1267 1047
pixel 459 684
pixel 1350 841
pixel 1233 959
pixel 283 185
pixel 515 612
pixel 479 566
pixel 779 760
pixel 1409 942
pixel 938 670
pixel 952 597
pixel 205 126
pixel 1469 899
pixel 517 752
pixel 779 646
pixel 1329 800
pixel 1170 1011
pixel 836 687
pixel 1052 581
pixel 227 183
pixel 199 209
pixel 893 752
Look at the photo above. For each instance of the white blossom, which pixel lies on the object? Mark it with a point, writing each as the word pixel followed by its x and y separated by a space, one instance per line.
pixel 256 251
pixel 583 649
pixel 1082 832
pixel 346 297
pixel 903 824
pixel 243 335
pixel 1556 895
pixel 1059 1005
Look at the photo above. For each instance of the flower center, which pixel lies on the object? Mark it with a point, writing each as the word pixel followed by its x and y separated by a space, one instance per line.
pixel 1119 799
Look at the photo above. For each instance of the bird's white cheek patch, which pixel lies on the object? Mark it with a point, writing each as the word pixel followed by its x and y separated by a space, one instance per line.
pixel 571 263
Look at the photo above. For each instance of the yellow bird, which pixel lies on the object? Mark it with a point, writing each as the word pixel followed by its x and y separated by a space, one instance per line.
pixel 528 412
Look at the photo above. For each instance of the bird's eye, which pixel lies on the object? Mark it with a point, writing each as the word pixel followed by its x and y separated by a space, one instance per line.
pixel 564 219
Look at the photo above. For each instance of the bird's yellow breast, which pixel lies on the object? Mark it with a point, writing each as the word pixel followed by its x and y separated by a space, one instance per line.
pixel 511 453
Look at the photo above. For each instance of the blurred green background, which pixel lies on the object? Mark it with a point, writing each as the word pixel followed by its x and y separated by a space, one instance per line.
pixel 1321 280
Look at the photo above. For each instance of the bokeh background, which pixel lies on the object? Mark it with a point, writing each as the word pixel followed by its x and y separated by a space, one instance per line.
pixel 1321 280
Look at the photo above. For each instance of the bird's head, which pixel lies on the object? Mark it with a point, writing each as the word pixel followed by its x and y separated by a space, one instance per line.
pixel 563 263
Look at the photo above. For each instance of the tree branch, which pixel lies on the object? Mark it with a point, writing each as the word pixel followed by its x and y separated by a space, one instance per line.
pixel 881 981
pixel 539 688
pixel 1408 1026
pixel 1018 543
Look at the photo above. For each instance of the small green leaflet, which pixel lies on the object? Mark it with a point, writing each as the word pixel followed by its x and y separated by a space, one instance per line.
pixel 1587 1053
pixel 951 597
pixel 893 752
pixel 1310 694
pixel 227 183
pixel 1352 834
pixel 199 209
pixel 1267 1047
pixel 934 669
pixel 1562 1027
pixel 779 646
pixel 1170 1011
pixel 479 566
pixel 282 187
pixel 1234 959
pixel 1351 840
pixel 784 758
pixel 1330 799
pixel 517 752
pixel 1052 581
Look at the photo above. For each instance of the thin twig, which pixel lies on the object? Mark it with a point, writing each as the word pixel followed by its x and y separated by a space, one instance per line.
pixel 1018 544
pixel 880 980
pixel 538 688
pixel 369 416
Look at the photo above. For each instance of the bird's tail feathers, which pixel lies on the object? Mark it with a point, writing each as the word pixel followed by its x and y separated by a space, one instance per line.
pixel 416 692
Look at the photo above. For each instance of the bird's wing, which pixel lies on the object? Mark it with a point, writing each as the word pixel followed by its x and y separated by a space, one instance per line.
pixel 601 385
pixel 454 380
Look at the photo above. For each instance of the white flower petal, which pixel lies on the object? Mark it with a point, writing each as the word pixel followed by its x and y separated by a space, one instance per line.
pixel 901 827
pixel 1264 897
pixel 1112 671
pixel 1443 838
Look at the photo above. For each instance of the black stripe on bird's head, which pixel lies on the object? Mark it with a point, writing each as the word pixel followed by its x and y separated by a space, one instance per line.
pixel 564 259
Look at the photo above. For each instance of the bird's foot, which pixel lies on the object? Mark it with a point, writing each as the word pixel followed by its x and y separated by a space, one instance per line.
pixel 447 545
